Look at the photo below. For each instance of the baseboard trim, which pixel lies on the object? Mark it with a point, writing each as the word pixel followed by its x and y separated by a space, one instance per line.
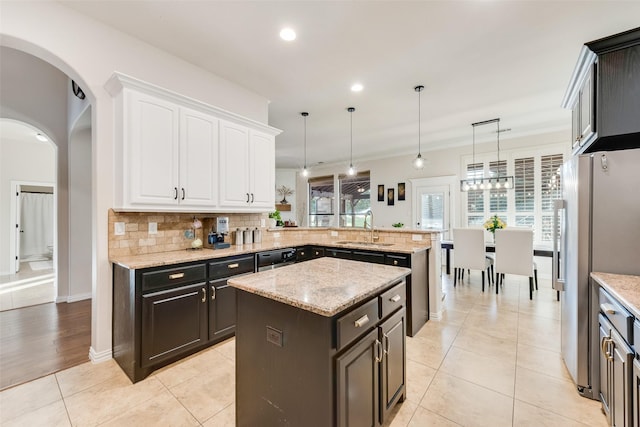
pixel 79 297
pixel 99 357
pixel 436 315
pixel 58 300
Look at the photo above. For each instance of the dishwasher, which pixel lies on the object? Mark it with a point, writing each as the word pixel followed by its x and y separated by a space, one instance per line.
pixel 275 258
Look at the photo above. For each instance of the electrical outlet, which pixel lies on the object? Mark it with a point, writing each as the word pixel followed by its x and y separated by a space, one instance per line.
pixel 334 233
pixel 276 235
pixel 416 237
pixel 263 222
pixel 153 228
pixel 118 228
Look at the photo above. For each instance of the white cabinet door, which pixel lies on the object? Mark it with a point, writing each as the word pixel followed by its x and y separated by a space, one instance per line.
pixel 234 165
pixel 262 170
pixel 152 151
pixel 198 159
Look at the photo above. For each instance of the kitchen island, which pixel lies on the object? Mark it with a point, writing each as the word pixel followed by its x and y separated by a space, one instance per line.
pixel 320 343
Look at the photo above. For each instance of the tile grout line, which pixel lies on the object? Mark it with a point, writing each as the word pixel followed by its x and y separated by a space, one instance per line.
pixel 64 402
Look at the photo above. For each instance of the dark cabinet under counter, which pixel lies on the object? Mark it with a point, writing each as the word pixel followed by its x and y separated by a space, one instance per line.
pixel 162 314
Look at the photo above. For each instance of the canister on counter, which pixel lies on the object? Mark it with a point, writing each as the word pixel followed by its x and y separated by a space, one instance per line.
pixel 239 236
pixel 257 235
pixel 248 237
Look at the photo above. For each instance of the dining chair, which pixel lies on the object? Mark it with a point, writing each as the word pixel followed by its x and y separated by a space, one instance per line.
pixel 470 253
pixel 514 255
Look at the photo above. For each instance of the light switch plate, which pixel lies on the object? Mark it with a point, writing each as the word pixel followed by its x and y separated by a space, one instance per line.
pixel 118 228
pixel 334 234
pixel 276 235
pixel 153 228
pixel 416 237
pixel 263 222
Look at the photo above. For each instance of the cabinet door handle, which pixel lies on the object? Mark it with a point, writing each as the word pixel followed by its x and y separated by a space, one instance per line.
pixel 204 295
pixel 386 343
pixel 213 292
pixel 378 351
pixel 361 321
pixel 183 194
pixel 247 197
pixel 175 190
pixel 251 197
pixel 176 276
pixel 234 265
pixel 395 298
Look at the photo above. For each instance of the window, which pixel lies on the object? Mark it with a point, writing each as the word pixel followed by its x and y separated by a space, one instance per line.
pixel 321 196
pixel 530 203
pixel 355 199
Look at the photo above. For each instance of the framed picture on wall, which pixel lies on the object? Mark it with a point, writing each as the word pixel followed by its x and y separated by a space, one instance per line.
pixel 381 193
pixel 401 191
pixel 390 196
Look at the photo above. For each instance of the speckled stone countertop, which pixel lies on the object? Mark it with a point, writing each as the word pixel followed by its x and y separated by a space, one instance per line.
pixel 324 286
pixel 177 257
pixel 624 288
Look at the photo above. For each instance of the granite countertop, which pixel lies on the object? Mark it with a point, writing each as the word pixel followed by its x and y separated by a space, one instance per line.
pixel 624 288
pixel 324 286
pixel 188 255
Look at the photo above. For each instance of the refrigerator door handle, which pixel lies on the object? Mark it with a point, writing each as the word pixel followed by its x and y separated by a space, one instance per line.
pixel 557 282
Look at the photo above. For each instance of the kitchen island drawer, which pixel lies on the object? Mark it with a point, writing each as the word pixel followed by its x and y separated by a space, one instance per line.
pixel 621 319
pixel 356 322
pixel 231 267
pixel 392 299
pixel 170 277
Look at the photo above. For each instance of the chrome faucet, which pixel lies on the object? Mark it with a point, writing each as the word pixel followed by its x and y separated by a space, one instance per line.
pixel 372 238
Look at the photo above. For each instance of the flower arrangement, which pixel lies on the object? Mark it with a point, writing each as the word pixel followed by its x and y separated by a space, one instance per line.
pixel 494 223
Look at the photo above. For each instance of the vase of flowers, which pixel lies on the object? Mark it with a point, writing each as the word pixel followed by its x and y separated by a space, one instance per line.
pixel 492 224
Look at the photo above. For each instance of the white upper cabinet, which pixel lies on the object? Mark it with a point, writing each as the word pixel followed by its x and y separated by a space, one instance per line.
pixel 173 153
pixel 247 168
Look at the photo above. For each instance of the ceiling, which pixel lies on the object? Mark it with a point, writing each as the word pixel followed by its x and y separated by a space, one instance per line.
pixel 477 60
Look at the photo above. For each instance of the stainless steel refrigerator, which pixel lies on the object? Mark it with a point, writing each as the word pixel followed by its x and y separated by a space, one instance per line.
pixel 596 228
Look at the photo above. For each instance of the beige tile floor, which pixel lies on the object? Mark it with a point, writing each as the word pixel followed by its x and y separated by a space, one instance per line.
pixel 27 287
pixel 491 361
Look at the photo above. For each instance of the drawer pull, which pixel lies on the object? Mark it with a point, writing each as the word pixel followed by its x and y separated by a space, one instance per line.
pixel 234 265
pixel 361 321
pixel 301 253
pixel 395 298
pixel 176 276
pixel 608 309
pixel 395 262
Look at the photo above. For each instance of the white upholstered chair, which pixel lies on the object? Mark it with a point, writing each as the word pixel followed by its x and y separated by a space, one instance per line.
pixel 514 255
pixel 469 253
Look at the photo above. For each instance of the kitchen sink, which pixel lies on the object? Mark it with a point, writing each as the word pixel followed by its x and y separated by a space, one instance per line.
pixel 356 242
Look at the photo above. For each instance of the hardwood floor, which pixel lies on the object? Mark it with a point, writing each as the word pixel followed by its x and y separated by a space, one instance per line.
pixel 42 339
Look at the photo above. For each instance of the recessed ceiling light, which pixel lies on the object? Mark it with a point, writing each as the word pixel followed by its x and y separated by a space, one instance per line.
pixel 287 34
pixel 357 87
pixel 41 137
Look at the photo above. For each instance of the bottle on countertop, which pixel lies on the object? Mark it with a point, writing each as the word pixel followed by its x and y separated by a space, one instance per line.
pixel 248 237
pixel 239 235
pixel 257 235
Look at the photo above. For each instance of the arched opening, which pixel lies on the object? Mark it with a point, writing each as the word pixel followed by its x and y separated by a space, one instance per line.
pixel 38 92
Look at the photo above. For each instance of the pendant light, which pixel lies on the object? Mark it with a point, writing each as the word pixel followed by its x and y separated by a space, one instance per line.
pixel 418 162
pixel 305 172
pixel 490 182
pixel 352 170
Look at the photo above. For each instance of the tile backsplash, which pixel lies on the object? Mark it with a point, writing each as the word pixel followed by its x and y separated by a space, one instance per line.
pixel 136 239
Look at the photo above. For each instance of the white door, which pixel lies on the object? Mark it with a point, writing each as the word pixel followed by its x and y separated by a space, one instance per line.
pixel 262 170
pixel 432 207
pixel 153 147
pixel 18 229
pixel 198 159
pixel 234 165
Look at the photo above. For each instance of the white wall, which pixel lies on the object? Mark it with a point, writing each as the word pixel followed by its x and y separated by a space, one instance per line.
pixel 89 52
pixel 393 170
pixel 31 161
pixel 287 177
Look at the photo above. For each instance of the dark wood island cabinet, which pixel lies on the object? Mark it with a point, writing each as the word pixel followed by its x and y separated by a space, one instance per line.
pixel 321 343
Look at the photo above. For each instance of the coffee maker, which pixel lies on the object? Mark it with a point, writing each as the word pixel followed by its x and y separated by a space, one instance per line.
pixel 219 229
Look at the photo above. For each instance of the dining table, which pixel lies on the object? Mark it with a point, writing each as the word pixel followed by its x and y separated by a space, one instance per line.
pixel 447 245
